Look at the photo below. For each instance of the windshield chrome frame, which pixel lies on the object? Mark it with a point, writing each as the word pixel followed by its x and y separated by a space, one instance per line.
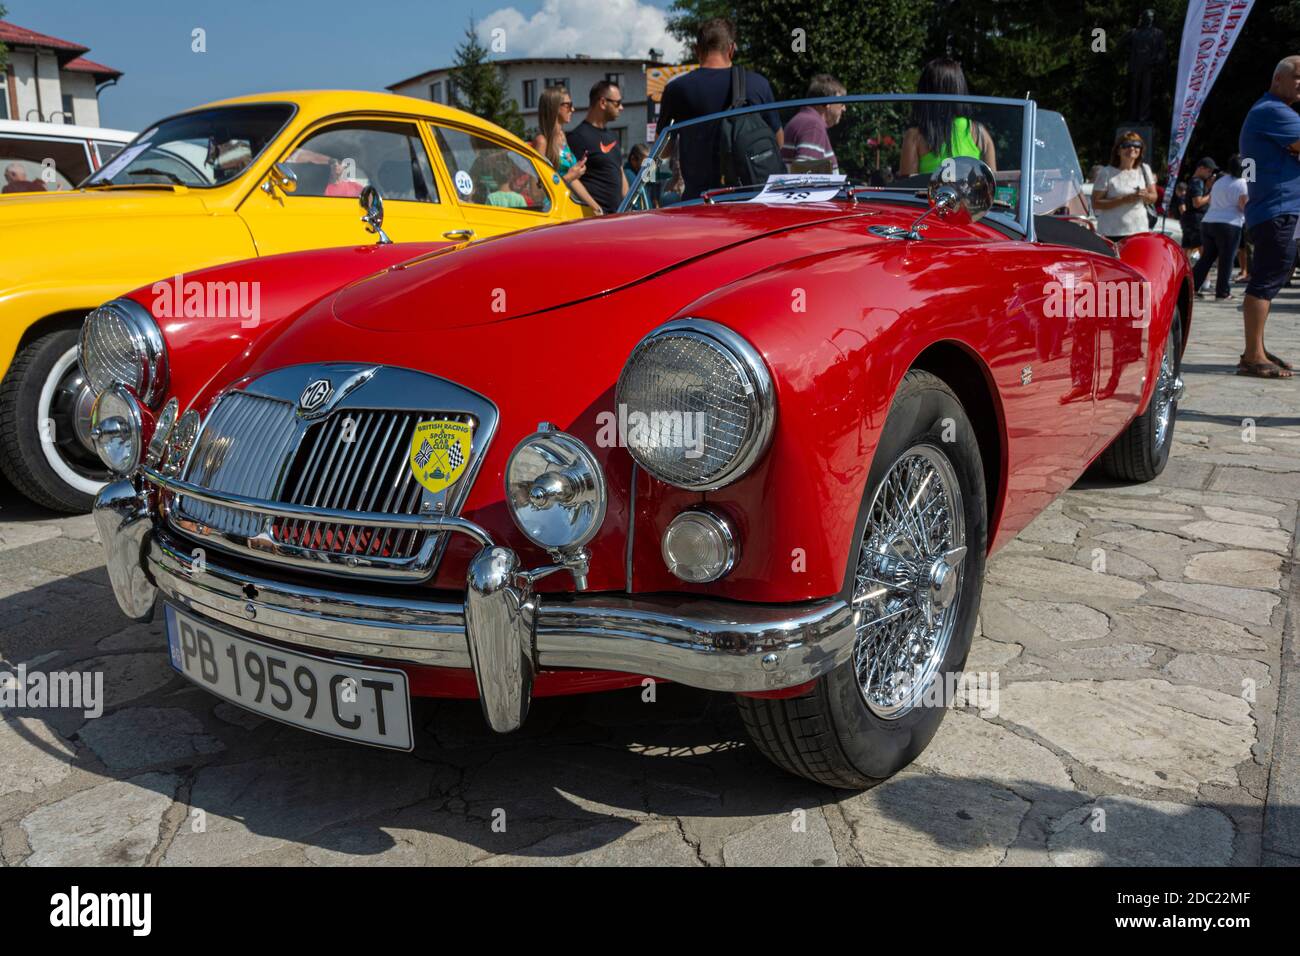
pixel 275 138
pixel 1023 222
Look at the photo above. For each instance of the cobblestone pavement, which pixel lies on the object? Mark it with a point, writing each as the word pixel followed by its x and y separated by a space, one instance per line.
pixel 1147 712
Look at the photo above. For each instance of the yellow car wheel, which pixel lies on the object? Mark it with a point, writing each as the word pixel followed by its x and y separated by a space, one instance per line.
pixel 45 448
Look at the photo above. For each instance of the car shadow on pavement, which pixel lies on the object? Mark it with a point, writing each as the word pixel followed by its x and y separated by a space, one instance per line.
pixel 661 773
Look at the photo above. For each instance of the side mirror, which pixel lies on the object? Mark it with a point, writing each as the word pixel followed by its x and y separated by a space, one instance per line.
pixel 280 176
pixel 962 182
pixel 372 205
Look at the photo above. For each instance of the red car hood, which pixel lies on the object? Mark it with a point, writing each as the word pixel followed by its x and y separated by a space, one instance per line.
pixel 552 266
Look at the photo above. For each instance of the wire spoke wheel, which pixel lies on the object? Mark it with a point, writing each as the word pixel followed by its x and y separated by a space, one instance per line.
pixel 909 580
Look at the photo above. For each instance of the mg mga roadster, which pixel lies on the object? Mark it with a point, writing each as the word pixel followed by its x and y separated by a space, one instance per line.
pixel 758 442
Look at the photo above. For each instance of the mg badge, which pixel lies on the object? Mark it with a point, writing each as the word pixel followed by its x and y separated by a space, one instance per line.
pixel 315 395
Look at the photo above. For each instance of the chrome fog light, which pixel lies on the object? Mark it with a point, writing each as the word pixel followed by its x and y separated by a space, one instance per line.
pixel 161 431
pixel 115 429
pixel 555 489
pixel 181 441
pixel 699 547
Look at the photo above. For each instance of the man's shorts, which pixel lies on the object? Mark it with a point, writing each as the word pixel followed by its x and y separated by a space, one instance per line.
pixel 1274 256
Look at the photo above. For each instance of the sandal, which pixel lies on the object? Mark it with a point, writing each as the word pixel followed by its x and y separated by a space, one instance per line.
pixel 1280 363
pixel 1262 370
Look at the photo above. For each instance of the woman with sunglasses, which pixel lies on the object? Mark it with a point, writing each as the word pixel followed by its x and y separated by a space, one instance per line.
pixel 554 109
pixel 1122 190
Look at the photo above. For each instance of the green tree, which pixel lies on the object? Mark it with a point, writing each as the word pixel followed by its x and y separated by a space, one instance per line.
pixel 4 50
pixel 871 46
pixel 481 86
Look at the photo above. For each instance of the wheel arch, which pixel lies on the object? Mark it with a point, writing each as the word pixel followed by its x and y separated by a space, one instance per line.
pixel 972 382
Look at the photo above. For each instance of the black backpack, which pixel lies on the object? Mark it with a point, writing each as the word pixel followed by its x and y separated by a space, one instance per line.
pixel 749 152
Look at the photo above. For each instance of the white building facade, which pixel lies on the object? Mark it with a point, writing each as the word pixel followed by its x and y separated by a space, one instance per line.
pixel 49 80
pixel 527 77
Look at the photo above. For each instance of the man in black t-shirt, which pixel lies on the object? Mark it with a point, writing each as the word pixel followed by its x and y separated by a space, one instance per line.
pixel 594 141
pixel 706 90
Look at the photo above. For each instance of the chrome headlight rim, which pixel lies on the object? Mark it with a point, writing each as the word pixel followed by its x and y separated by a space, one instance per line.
pixel 599 487
pixel 150 351
pixel 761 393
pixel 133 421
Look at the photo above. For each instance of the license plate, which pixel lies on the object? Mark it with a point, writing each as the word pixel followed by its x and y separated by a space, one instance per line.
pixel 370 705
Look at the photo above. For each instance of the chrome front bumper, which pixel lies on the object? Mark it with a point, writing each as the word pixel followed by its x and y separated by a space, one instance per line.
pixel 500 627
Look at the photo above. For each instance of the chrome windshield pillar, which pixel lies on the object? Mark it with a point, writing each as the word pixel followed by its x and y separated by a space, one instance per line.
pixel 500 624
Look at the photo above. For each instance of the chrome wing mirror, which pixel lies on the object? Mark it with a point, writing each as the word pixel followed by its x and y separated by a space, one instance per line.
pixel 280 176
pixel 373 205
pixel 960 182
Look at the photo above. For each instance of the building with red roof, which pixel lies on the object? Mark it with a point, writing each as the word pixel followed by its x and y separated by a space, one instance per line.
pixel 49 80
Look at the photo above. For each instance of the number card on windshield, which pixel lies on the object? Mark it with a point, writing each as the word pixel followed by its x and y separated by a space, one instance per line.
pixel 790 188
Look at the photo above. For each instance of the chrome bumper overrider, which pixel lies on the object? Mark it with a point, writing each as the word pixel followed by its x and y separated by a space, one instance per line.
pixel 499 626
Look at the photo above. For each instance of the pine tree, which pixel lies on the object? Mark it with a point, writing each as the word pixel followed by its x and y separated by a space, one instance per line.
pixel 481 86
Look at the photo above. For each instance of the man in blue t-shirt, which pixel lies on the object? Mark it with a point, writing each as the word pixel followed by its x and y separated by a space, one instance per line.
pixel 706 90
pixel 1270 138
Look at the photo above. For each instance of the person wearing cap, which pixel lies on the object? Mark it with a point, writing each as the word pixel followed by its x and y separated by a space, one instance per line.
pixel 1121 191
pixel 1221 229
pixel 1270 138
pixel 1198 200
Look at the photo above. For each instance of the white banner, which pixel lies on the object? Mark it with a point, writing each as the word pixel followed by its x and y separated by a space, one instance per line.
pixel 1210 30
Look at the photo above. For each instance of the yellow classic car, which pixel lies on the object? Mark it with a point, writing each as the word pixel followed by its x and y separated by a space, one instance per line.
pixel 244 177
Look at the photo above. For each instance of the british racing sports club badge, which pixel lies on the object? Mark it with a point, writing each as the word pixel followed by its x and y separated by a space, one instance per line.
pixel 439 452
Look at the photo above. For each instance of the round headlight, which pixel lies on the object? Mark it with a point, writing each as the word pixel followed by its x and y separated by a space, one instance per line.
pixel 556 490
pixel 696 404
pixel 122 345
pixel 161 431
pixel 699 547
pixel 115 429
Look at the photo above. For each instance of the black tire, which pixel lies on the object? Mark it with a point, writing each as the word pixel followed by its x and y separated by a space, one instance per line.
pixel 829 734
pixel 1135 454
pixel 21 456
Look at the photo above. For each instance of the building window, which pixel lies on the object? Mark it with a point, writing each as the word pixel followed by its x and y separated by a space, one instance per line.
pixel 435 92
pixel 530 94
pixel 67 109
pixel 558 81
pixel 453 94
pixel 615 78
pixel 4 96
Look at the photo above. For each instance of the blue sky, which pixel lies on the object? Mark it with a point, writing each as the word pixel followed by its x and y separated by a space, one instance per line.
pixel 298 44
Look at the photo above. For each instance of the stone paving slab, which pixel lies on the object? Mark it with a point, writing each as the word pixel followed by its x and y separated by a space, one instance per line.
pixel 1148 712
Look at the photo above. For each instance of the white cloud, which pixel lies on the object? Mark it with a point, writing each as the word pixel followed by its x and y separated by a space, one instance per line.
pixel 599 28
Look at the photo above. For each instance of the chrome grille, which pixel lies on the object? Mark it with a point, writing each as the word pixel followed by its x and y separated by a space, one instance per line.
pixel 352 455
pixel 370 472
pixel 242 451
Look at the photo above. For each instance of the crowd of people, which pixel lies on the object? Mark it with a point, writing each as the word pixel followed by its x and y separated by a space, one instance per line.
pixel 1226 214
pixel 1244 213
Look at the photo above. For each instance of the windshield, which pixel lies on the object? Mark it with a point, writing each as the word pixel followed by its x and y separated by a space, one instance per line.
pixel 1058 179
pixel 889 145
pixel 201 149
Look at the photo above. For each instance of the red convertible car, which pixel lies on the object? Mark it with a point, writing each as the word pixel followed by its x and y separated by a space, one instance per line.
pixel 756 434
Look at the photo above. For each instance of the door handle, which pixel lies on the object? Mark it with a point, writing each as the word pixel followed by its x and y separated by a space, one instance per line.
pixel 459 234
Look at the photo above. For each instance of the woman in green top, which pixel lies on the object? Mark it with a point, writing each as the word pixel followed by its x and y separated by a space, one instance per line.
pixel 940 132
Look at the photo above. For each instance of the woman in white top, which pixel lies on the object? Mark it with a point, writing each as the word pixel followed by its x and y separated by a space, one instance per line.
pixel 1122 190
pixel 1221 229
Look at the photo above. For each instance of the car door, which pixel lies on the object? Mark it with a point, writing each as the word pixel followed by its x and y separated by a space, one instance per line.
pixel 496 187
pixel 333 163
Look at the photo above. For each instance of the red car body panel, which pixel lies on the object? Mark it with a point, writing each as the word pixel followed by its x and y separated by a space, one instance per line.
pixel 838 314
